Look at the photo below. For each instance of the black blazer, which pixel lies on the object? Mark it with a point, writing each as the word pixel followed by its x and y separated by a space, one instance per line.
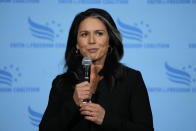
pixel 126 104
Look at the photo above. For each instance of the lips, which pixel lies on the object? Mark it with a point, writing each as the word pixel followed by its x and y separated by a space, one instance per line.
pixel 92 50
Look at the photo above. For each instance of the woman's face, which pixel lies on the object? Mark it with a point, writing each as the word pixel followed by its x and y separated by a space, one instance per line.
pixel 93 39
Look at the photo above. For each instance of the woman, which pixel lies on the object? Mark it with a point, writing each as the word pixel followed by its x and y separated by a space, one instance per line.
pixel 118 96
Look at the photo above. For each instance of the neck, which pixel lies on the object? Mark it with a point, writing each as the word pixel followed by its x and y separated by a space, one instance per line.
pixel 99 63
pixel 96 66
pixel 94 76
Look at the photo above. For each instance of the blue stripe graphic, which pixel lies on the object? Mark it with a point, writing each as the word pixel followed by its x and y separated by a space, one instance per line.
pixel 41 31
pixel 178 76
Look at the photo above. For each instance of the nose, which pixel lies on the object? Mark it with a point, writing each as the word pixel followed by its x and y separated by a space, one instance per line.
pixel 91 39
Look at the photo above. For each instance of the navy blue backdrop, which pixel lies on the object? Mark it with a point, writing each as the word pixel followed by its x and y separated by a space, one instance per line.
pixel 159 38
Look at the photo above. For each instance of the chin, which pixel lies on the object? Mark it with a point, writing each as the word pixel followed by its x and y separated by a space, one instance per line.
pixel 92 57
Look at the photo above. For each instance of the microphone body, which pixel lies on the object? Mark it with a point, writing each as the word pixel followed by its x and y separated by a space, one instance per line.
pixel 86 64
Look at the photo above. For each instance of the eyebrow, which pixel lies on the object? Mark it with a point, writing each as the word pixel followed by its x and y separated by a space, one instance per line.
pixel 88 31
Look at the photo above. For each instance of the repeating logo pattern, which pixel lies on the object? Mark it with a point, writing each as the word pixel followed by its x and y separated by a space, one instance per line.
pixel 47 35
pixel 94 1
pixel 45 31
pixel 20 1
pixel 9 75
pixel 178 76
pixel 136 35
pixel 181 76
pixel 171 1
pixel 134 32
pixel 192 45
pixel 34 117
pixel 183 79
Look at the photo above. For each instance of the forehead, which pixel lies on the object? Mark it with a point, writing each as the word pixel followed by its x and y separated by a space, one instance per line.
pixel 91 23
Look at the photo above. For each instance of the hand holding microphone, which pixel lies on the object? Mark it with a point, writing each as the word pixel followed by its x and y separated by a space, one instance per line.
pixel 82 93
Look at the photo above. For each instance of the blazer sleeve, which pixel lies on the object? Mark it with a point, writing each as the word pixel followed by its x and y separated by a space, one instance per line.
pixel 61 109
pixel 139 108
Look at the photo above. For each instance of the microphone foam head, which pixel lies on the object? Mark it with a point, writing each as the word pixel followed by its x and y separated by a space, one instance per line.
pixel 86 61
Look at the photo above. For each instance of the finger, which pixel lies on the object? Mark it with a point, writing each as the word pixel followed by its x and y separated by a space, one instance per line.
pixel 83 88
pixel 85 112
pixel 88 113
pixel 86 107
pixel 85 96
pixel 82 93
pixel 91 106
pixel 82 84
pixel 90 118
pixel 86 92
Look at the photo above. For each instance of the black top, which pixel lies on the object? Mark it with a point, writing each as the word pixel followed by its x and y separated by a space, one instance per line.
pixel 126 105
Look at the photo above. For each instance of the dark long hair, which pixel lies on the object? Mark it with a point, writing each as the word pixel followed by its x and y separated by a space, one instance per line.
pixel 115 52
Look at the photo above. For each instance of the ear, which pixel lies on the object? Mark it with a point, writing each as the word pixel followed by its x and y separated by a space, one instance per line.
pixel 77 47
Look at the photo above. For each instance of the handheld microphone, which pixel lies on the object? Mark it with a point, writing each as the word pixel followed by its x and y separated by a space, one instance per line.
pixel 86 63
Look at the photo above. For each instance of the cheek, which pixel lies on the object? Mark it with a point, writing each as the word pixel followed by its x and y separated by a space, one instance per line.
pixel 104 43
pixel 81 44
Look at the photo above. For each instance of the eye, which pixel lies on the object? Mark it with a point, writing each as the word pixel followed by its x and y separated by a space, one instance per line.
pixel 99 33
pixel 84 34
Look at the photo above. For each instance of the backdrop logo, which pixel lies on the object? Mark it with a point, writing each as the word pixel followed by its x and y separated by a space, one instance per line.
pixel 47 35
pixel 44 31
pixel 134 32
pixel 93 1
pixel 19 1
pixel 192 45
pixel 179 76
pixel 9 77
pixel 171 2
pixel 135 35
pixel 35 117
pixel 182 79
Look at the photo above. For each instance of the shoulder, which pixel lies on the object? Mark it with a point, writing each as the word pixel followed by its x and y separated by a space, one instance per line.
pixel 63 81
pixel 128 71
pixel 131 75
pixel 60 78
